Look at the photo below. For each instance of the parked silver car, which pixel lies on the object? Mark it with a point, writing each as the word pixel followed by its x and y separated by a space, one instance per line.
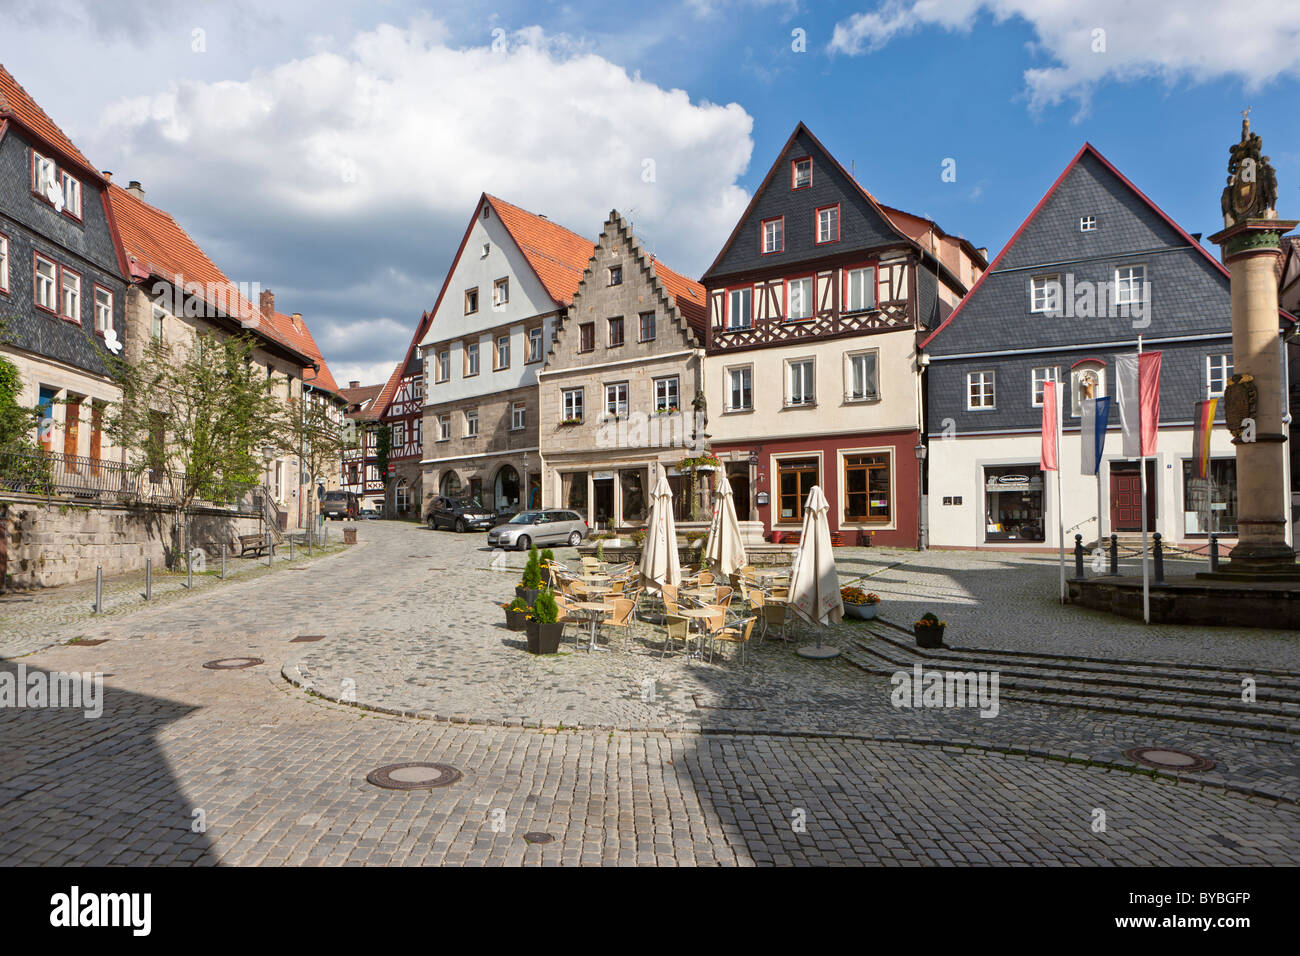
pixel 539 527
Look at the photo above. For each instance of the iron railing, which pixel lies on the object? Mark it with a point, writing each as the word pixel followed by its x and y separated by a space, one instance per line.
pixel 50 474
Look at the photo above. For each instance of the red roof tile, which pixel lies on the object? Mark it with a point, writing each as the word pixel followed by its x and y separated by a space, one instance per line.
pixel 17 103
pixel 380 404
pixel 559 256
pixel 299 337
pixel 687 293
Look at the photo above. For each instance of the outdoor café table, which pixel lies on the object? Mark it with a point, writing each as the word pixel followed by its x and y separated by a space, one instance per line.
pixel 699 614
pixel 707 594
pixel 594 610
pixel 772 577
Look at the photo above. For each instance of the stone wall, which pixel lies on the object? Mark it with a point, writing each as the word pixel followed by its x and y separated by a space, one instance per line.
pixel 48 543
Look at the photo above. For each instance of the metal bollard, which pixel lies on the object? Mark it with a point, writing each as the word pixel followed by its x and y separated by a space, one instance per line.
pixel 148 579
pixel 1114 555
pixel 1078 557
pixel 189 570
pixel 291 549
pixel 1158 553
pixel 270 548
pixel 223 562
pixel 1214 553
pixel 99 589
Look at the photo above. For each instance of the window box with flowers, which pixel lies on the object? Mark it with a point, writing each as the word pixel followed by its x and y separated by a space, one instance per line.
pixel 569 422
pixel 702 463
pixel 670 410
pixel 859 603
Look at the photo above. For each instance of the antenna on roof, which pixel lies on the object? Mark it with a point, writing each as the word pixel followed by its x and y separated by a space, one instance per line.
pixel 853 169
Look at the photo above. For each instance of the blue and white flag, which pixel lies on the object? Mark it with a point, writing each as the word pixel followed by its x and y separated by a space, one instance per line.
pixel 1093 419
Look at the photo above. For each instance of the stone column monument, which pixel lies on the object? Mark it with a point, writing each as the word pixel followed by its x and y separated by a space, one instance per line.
pixel 1255 398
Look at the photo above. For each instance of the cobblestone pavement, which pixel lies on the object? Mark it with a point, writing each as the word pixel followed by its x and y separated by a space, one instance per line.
pixel 278 776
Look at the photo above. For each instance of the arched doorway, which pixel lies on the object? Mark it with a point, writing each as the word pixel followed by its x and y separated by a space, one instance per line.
pixel 402 496
pixel 505 489
pixel 449 485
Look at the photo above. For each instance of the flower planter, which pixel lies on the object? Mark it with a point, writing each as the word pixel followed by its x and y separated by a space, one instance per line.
pixel 778 537
pixel 928 636
pixel 837 540
pixel 863 612
pixel 544 638
pixel 528 594
pixel 516 620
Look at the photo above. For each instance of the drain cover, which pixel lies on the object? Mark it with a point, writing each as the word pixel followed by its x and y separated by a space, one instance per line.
pixel 536 836
pixel 413 776
pixel 1163 758
pixel 233 663
pixel 86 642
pixel 307 638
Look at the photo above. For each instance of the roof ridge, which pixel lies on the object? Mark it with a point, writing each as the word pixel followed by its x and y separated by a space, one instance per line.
pixel 6 106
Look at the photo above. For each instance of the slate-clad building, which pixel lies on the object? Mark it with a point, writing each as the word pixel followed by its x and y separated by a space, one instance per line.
pixel 1095 265
pixel 62 277
pixel 815 306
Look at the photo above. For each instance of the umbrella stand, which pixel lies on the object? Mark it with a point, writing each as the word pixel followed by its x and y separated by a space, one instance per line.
pixel 818 651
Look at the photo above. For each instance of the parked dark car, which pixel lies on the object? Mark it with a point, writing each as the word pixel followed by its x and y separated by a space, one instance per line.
pixel 459 514
pixel 339 505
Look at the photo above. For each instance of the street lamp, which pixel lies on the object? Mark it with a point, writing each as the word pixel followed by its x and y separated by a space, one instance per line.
pixel 920 451
pixel 268 452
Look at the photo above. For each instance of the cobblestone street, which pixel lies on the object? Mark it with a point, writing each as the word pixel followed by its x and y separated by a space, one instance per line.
pixel 623 756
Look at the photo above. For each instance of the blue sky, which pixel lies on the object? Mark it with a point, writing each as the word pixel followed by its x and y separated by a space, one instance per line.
pixel 332 151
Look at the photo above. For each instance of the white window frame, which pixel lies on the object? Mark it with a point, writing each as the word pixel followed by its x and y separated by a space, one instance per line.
pixel 773 235
pixel 1132 284
pixel 44 170
pixel 667 393
pixel 518 416
pixel 807 382
pixel 794 172
pixel 444 428
pixel 851 360
pixel 1087 223
pixel 1036 382
pixel 71 194
pixel 473 365
pixel 103 310
pixel 536 339
pixel 501 292
pixel 832 214
pixel 985 381
pixel 158 327
pixel 48 283
pixel 471 423
pixel 474 293
pixel 747 390
pixel 1226 369
pixel 1045 294
pixel 71 312
pixel 4 264
pixel 746 295
pixel 620 406
pixel 572 404
pixel 803 282
pixel 442 366
pixel 502 351
pixel 868 274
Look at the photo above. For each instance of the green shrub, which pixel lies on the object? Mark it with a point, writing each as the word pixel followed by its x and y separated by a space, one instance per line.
pixel 600 550
pixel 546 611
pixel 532 578
pixel 518 604
pixel 548 556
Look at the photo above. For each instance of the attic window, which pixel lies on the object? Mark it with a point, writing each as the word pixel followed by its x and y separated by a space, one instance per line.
pixel 615 275
pixel 801 173
pixel 487 210
pixel 1087 223
pixel 487 248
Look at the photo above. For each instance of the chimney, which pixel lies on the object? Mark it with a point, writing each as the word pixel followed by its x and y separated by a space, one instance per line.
pixel 266 302
pixel 107 174
pixel 297 320
pixel 135 189
pixel 354 384
pixel 984 253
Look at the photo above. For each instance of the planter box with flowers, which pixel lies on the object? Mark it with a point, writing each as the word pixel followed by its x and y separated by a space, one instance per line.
pixel 858 603
pixel 928 631
pixel 544 627
pixel 516 614
pixel 702 463
pixel 569 422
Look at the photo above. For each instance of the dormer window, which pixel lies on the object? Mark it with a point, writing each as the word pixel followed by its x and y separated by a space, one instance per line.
pixel 801 173
pixel 43 173
pixel 71 195
pixel 1087 223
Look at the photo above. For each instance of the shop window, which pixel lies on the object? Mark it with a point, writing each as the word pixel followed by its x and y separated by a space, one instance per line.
pixel 867 492
pixel 1013 503
pixel 632 488
pixel 795 478
pixel 1210 503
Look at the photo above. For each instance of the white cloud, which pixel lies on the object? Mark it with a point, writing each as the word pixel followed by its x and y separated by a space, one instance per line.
pixel 1255 41
pixel 372 373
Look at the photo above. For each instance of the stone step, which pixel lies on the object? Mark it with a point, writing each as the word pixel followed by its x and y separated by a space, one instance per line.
pixel 1277 721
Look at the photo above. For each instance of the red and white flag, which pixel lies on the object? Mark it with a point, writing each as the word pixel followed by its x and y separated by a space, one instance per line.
pixel 1049 460
pixel 1137 383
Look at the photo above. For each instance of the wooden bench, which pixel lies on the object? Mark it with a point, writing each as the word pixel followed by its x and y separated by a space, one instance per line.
pixel 256 543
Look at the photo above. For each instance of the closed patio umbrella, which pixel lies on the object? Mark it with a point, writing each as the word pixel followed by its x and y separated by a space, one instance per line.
pixel 814 584
pixel 659 563
pixel 725 549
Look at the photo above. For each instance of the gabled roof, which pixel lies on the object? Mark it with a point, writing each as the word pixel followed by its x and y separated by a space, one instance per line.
pixel 361 397
pixel 687 293
pixel 17 104
pixel 559 256
pixel 901 223
pixel 1086 150
pixel 380 405
pixel 295 332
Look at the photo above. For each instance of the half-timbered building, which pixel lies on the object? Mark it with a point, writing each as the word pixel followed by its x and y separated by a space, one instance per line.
pixel 400 409
pixel 360 471
pixel 815 304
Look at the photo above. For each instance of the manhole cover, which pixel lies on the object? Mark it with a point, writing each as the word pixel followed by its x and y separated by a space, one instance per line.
pixel 1163 758
pixel 536 836
pixel 307 638
pixel 233 663
pixel 413 776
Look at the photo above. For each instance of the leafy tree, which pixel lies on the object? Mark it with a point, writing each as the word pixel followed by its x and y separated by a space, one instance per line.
pixel 532 578
pixel 198 417
pixel 316 432
pixel 16 421
pixel 383 445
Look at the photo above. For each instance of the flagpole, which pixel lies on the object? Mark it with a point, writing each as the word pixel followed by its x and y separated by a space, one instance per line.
pixel 1146 577
pixel 1060 501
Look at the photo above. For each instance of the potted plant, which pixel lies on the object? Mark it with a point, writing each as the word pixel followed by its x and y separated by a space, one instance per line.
pixel 516 614
pixel 547 559
pixel 544 628
pixel 928 631
pixel 638 537
pixel 532 579
pixel 859 603
pixel 600 550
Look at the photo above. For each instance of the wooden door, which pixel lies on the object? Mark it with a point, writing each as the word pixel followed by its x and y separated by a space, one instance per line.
pixel 71 429
pixel 1126 497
